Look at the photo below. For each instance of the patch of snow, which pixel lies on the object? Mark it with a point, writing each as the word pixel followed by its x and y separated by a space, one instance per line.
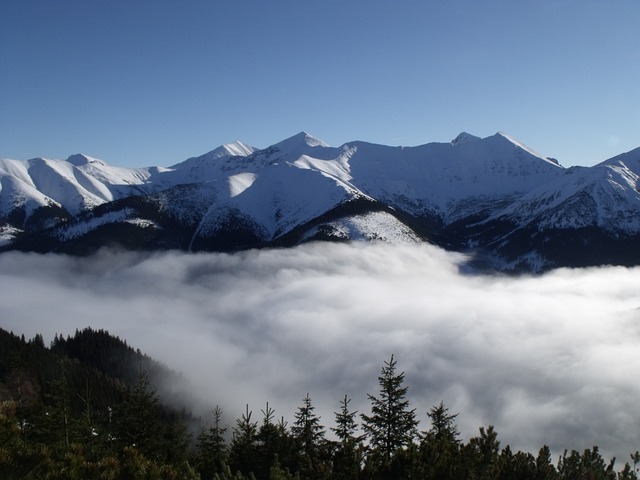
pixel 240 182
pixel 8 234
pixel 77 229
pixel 142 222
pixel 370 226
pixel 235 149
pixel 238 149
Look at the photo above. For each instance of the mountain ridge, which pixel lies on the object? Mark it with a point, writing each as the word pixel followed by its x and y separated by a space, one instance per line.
pixel 472 194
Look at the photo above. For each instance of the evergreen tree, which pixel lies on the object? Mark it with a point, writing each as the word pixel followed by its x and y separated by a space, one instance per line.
pixel 244 446
pixel 37 341
pixel 88 429
pixel 345 422
pixel 627 473
pixel 544 467
pixel 635 458
pixel 275 446
pixel 439 451
pixel 18 458
pixel 307 428
pixel 211 450
pixel 485 454
pixel 517 466
pixel 59 414
pixel 268 438
pixel 347 456
pixel 392 424
pixel 137 420
pixel 308 433
pixel 443 426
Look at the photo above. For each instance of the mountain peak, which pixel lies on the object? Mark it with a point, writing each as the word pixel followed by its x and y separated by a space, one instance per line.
pixel 234 149
pixel 79 159
pixel 300 139
pixel 463 138
pixel 507 138
pixel 491 196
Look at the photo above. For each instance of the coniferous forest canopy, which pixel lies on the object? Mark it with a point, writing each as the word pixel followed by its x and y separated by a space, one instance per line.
pixel 86 407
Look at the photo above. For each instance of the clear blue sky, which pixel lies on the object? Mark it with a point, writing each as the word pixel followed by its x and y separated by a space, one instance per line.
pixel 154 82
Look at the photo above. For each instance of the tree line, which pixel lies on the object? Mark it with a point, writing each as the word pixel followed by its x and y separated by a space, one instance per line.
pixel 86 408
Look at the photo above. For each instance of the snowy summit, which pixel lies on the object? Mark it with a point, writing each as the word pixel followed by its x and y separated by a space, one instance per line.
pixel 494 197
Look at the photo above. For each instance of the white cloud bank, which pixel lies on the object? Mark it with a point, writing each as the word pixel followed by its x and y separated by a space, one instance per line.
pixel 547 360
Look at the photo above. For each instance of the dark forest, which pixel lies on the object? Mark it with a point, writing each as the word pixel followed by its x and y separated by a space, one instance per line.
pixel 89 406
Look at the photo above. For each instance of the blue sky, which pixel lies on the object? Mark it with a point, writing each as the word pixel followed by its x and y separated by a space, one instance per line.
pixel 153 82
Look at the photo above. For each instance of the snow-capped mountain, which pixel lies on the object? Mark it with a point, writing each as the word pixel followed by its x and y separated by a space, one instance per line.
pixel 509 206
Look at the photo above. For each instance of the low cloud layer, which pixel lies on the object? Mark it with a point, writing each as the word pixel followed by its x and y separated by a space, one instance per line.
pixel 550 360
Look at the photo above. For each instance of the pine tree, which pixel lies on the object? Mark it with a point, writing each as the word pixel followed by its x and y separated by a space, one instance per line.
pixel 345 422
pixel 439 451
pixel 87 427
pixel 268 435
pixel 138 422
pixel 544 468
pixel 443 426
pixel 18 458
pixel 307 428
pixel 211 449
pixel 635 458
pixel 392 424
pixel 243 450
pixel 485 454
pixel 347 455
pixel 308 433
pixel 274 444
pixel 59 414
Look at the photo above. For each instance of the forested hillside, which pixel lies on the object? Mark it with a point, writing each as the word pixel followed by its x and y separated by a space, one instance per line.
pixel 87 407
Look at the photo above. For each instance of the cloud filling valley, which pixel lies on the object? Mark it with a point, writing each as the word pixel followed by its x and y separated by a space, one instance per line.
pixel 550 359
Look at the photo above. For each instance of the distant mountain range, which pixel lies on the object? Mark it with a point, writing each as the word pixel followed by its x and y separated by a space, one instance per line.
pixel 510 208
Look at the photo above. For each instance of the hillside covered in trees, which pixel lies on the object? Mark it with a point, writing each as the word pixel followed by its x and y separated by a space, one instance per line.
pixel 88 407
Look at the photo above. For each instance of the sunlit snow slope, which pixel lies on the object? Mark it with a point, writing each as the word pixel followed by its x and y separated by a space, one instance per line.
pixel 511 207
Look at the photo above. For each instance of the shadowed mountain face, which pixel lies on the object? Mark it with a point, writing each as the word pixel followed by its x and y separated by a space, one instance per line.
pixel 509 207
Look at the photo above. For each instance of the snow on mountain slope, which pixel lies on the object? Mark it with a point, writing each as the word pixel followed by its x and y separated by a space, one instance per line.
pixel 472 192
pixel 79 183
pixel 239 182
pixel 439 177
pixel 238 158
pixel 210 165
pixel 299 143
pixel 436 177
pixel 368 226
pixel 275 200
pixel 16 193
pixel 605 195
pixel 77 229
pixel 17 189
pixel 628 161
pixel 118 180
pixel 433 177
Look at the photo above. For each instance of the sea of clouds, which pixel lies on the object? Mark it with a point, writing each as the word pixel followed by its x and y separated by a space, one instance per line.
pixel 550 359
